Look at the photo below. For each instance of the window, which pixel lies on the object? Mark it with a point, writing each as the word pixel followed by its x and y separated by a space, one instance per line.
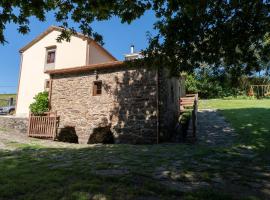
pixel 47 85
pixel 50 56
pixel 97 88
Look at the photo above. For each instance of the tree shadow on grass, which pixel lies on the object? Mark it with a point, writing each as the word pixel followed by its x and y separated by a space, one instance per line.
pixel 130 172
pixel 252 126
pixel 172 171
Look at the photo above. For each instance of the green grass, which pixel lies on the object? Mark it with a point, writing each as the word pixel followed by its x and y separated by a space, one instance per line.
pixel 6 97
pixel 37 171
pixel 54 173
pixel 250 118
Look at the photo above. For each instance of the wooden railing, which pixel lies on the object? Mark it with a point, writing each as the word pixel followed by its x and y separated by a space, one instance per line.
pixel 190 101
pixel 43 126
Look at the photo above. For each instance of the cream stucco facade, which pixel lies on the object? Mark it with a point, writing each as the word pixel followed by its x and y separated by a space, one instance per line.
pixel 80 51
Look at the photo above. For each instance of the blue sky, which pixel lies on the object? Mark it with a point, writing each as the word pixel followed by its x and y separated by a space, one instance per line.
pixel 117 37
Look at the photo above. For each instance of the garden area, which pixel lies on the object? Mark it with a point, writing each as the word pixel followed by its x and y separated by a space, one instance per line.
pixel 237 167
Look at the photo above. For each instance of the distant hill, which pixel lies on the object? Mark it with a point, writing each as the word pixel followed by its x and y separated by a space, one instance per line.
pixel 4 97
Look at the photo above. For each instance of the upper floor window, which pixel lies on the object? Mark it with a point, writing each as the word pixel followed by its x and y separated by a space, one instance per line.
pixel 50 57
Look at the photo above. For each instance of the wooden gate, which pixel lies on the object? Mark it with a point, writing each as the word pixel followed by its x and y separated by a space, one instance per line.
pixel 43 126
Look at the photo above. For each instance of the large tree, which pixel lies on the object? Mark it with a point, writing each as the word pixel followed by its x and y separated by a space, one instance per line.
pixel 228 33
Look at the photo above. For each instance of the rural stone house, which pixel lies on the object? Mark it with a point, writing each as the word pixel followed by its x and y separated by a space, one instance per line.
pixel 92 91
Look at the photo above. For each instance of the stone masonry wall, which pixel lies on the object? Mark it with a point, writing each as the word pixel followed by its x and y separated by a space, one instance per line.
pixel 14 123
pixel 128 103
pixel 170 90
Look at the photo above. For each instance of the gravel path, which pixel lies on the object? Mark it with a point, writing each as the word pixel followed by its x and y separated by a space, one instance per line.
pixel 213 129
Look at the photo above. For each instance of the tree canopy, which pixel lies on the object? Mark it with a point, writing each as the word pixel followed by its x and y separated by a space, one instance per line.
pixel 233 34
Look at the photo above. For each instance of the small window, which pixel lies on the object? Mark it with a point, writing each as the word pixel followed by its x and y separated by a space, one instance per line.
pixel 50 56
pixel 47 85
pixel 97 88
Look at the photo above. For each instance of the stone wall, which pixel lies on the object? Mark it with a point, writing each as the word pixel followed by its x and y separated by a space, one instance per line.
pixel 170 89
pixel 128 103
pixel 14 123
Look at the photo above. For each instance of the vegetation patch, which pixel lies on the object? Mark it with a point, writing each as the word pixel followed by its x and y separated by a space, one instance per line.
pixel 5 97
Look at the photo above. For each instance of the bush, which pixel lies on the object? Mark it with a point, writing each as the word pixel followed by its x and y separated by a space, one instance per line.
pixel 211 82
pixel 210 86
pixel 205 87
pixel 41 103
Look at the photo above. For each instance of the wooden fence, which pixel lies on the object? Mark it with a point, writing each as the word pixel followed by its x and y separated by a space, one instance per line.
pixel 43 126
pixel 191 101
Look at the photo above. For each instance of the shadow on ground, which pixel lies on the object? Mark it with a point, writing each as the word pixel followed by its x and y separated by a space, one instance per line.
pixel 237 170
pixel 253 126
pixel 131 172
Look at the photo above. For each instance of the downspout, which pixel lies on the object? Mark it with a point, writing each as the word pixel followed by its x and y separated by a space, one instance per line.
pixel 157 85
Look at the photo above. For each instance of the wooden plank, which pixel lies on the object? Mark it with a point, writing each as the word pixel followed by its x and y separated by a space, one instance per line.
pixel 43 126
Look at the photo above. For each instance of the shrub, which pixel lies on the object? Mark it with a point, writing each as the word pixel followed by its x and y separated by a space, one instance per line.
pixel 208 85
pixel 41 103
pixel 205 87
pixel 191 84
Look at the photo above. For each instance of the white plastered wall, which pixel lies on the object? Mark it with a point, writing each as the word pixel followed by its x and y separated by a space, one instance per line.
pixel 32 78
pixel 96 55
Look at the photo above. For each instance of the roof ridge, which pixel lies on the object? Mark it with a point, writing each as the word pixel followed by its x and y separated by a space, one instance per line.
pixel 58 28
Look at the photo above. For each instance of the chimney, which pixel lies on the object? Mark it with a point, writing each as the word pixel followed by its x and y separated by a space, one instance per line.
pixel 132 55
pixel 132 49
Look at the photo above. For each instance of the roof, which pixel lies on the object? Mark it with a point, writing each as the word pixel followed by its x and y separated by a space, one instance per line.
pixel 56 28
pixel 86 68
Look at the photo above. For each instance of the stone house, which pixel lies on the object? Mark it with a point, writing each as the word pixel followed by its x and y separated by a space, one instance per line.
pixel 135 104
pixel 138 105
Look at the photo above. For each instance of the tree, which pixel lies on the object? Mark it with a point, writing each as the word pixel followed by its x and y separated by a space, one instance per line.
pixel 191 33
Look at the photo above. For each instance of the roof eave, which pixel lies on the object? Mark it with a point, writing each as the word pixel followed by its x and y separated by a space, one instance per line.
pixel 86 68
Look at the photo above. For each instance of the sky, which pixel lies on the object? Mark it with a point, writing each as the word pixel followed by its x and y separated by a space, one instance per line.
pixel 117 37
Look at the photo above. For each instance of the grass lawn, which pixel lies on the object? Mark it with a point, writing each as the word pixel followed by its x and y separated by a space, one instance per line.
pixel 167 171
pixel 4 97
pixel 250 118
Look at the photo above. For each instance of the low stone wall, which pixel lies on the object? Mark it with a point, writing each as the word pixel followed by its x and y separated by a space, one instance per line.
pixel 14 123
